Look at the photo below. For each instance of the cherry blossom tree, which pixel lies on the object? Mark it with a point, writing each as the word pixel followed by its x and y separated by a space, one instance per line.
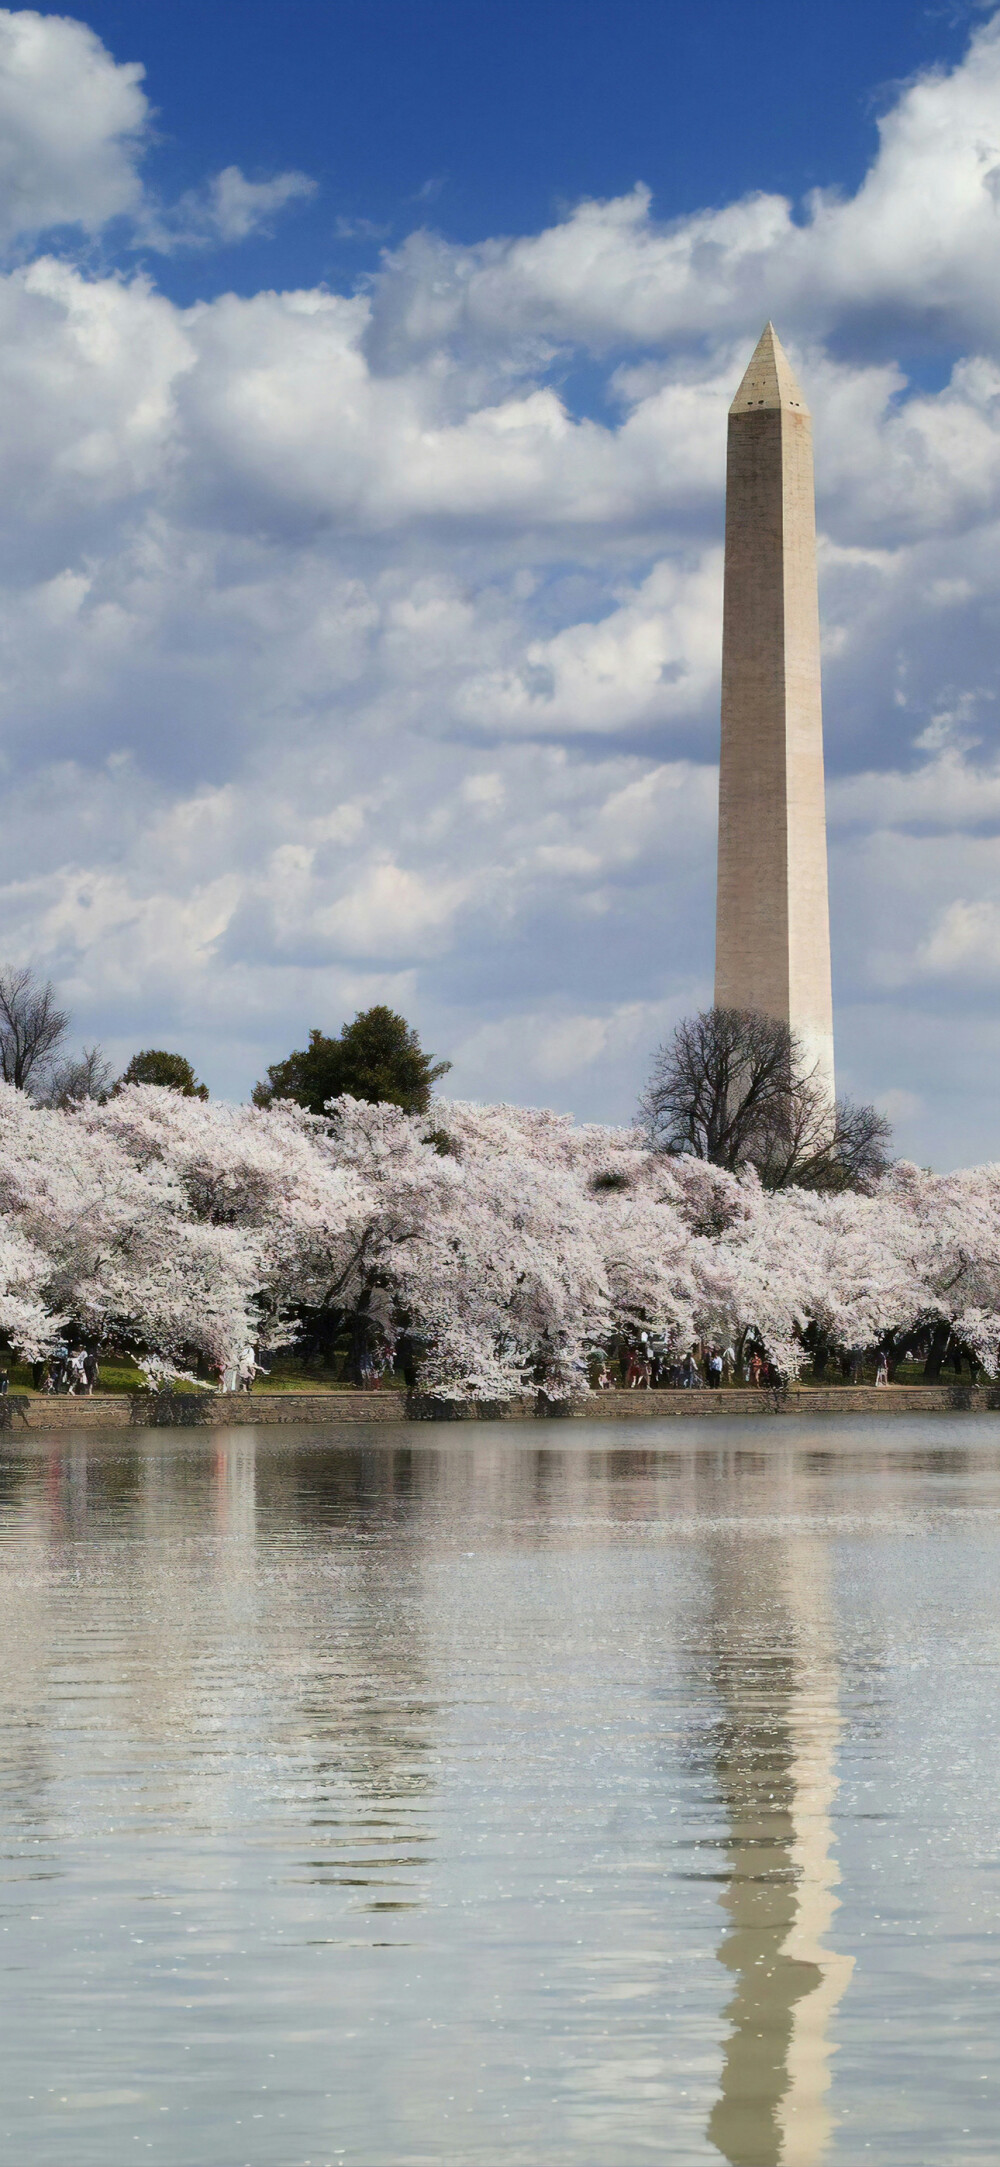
pixel 501 1246
pixel 123 1257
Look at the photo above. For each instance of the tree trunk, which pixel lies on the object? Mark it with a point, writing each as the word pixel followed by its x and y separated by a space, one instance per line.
pixel 897 1350
pixel 936 1353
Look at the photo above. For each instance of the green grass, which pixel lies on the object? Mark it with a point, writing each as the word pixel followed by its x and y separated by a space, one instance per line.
pixel 287 1375
pixel 117 1374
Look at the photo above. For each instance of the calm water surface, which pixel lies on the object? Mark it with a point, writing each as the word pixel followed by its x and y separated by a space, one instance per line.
pixel 506 1795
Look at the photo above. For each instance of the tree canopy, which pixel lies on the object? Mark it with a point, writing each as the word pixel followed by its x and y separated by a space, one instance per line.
pixel 183 1231
pixel 172 1071
pixel 378 1057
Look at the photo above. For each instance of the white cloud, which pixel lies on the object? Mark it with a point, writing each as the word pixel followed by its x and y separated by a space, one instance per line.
pixel 229 208
pixel 75 127
pixel 654 658
pixel 949 792
pixel 342 659
pixel 359 229
pixel 965 938
pixel 920 242
pixel 392 914
pixel 73 124
pixel 530 1057
pixel 237 207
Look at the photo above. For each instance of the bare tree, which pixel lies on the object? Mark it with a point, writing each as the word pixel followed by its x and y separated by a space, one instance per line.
pixel 854 1154
pixel 732 1086
pixel 88 1075
pixel 719 1086
pixel 32 1028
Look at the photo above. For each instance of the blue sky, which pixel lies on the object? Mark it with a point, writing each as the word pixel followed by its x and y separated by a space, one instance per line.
pixel 490 116
pixel 363 382
pixel 487 116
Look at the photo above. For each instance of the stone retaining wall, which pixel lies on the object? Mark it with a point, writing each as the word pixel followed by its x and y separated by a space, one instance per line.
pixel 183 1410
pixel 120 1410
pixel 857 1399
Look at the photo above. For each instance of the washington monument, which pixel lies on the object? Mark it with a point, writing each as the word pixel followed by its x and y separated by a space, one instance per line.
pixel 772 949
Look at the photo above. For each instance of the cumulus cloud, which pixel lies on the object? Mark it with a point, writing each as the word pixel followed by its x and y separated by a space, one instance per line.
pixel 74 130
pixel 651 659
pixel 73 123
pixel 907 250
pixel 343 657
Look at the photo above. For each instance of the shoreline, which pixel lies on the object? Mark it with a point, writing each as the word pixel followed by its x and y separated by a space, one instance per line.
pixel 211 1410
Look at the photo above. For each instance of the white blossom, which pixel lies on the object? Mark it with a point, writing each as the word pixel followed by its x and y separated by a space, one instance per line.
pixel 507 1245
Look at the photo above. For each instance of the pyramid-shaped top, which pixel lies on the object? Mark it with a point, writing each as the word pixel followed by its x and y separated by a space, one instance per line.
pixel 768 380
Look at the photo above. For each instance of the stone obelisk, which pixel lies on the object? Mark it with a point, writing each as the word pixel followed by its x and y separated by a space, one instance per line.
pixel 773 920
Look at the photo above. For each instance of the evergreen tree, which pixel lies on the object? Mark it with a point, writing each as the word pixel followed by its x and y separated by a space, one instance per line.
pixel 377 1057
pixel 170 1070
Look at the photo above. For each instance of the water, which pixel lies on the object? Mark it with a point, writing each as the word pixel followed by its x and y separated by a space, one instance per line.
pixel 551 1795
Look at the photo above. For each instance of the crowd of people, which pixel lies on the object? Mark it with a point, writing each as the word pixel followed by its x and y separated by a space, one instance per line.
pixel 72 1371
pixel 651 1365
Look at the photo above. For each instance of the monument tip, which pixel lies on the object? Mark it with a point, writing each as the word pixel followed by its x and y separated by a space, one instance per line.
pixel 769 380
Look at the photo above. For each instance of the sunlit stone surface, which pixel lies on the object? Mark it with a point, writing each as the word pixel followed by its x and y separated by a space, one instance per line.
pixel 563 1798
pixel 772 942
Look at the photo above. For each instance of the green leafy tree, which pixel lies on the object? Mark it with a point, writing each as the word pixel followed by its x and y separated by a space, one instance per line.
pixel 377 1057
pixel 170 1070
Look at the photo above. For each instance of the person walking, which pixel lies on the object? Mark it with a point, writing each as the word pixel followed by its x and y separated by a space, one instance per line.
pixel 715 1369
pixel 247 1369
pixel 882 1372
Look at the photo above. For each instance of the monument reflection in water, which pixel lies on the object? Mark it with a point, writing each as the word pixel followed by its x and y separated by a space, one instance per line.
pixel 477 1797
pixel 775 1763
